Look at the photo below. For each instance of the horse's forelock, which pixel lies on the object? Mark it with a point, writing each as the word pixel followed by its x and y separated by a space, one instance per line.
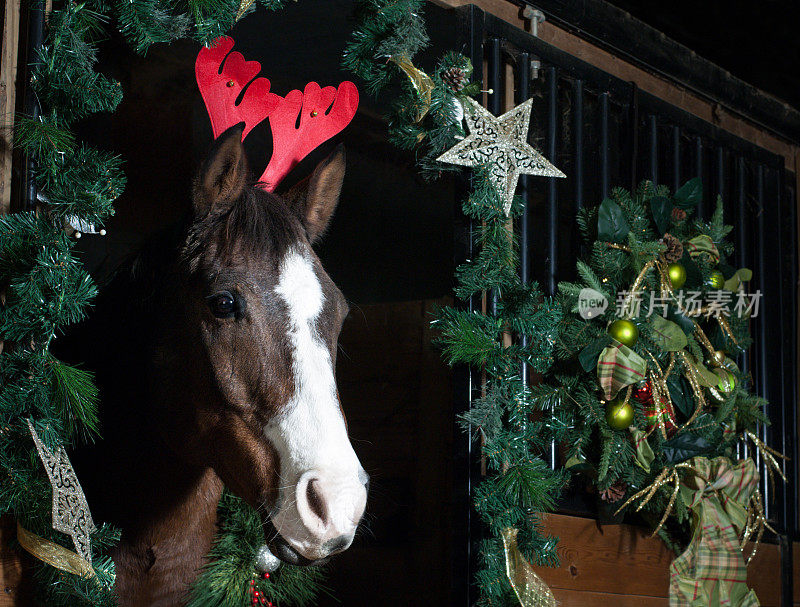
pixel 258 223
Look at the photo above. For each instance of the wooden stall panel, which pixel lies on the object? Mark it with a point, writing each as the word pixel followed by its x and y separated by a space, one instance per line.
pixel 622 565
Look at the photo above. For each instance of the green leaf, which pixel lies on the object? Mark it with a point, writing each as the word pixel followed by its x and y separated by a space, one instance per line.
pixel 740 276
pixel 681 394
pixel 668 335
pixel 661 207
pixel 689 194
pixel 685 446
pixel 707 378
pixel 644 452
pixel 683 321
pixel 588 356
pixel 611 223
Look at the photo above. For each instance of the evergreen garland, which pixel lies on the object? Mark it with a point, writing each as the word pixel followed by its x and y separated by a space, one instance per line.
pixel 519 484
pixel 44 287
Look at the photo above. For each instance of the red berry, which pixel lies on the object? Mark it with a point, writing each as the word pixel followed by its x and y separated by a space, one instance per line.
pixel 266 575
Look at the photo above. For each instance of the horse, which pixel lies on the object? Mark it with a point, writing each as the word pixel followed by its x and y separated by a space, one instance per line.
pixel 215 353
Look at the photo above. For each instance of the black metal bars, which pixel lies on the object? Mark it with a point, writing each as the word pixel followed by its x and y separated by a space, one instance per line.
pixel 669 145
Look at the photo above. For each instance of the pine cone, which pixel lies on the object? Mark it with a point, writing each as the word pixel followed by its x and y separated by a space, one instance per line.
pixel 674 248
pixel 678 215
pixel 455 78
pixel 615 492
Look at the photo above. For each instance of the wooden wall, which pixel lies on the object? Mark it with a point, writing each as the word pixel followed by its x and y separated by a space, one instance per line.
pixel 622 566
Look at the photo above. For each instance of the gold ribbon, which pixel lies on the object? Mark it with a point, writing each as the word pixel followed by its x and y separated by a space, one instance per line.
pixel 668 476
pixel 243 7
pixel 53 554
pixel 421 82
pixel 530 589
pixel 756 523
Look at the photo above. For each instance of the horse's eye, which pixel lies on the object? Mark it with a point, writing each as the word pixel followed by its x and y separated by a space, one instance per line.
pixel 223 305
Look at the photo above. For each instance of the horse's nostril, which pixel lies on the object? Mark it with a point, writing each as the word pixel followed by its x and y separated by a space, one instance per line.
pixel 316 501
pixel 337 544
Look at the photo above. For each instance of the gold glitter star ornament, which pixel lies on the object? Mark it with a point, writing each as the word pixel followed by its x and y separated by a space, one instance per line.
pixel 70 511
pixel 501 143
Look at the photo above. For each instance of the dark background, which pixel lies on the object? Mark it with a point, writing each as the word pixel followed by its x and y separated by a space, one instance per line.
pixel 757 42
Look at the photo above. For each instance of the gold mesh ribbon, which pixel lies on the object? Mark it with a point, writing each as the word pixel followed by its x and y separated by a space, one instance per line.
pixel 529 587
pixel 244 5
pixel 668 476
pixel 421 82
pixel 755 525
pixel 53 554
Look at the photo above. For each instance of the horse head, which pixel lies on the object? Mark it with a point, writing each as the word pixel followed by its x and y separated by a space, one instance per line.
pixel 252 333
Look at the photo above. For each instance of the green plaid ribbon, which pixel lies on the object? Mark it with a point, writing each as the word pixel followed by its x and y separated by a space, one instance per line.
pixel 619 366
pixel 700 245
pixel 712 571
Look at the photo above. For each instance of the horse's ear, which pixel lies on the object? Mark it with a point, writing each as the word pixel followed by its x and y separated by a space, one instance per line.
pixel 315 198
pixel 223 174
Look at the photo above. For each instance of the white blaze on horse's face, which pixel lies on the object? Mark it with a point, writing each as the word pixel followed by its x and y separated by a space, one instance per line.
pixel 322 484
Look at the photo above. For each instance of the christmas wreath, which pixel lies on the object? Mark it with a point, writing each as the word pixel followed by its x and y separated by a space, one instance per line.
pixel 646 391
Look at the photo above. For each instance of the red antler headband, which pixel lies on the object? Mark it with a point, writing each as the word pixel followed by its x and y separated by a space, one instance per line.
pixel 300 122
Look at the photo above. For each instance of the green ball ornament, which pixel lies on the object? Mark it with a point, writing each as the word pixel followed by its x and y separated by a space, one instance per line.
pixel 619 414
pixel 716 280
pixel 624 331
pixel 727 382
pixel 677 275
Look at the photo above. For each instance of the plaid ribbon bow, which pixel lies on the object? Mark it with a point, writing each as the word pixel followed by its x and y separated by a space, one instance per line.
pixel 702 245
pixel 619 366
pixel 712 571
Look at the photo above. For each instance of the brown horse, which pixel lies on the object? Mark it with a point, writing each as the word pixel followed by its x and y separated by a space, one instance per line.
pixel 215 357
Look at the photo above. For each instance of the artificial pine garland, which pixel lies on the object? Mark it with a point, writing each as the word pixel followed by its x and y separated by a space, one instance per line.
pixel 635 446
pixel 426 118
pixel 44 288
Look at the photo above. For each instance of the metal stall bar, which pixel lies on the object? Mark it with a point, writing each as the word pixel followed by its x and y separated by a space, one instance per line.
pixel 782 430
pixel 676 158
pixel 468 531
pixel 743 259
pixel 552 202
pixel 577 141
pixel 761 330
pixel 605 167
pixel 720 171
pixel 523 93
pixel 652 137
pixel 494 101
pixel 793 469
pixel 698 160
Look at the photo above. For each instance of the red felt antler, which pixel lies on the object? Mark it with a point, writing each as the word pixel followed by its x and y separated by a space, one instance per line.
pixel 299 123
pixel 220 85
pixel 323 112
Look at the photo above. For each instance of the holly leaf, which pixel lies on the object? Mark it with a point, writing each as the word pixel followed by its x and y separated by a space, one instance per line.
pixel 689 194
pixel 611 223
pixel 685 445
pixel 667 335
pixel 661 207
pixel 679 318
pixel 707 379
pixel 681 394
pixel 740 276
pixel 588 356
